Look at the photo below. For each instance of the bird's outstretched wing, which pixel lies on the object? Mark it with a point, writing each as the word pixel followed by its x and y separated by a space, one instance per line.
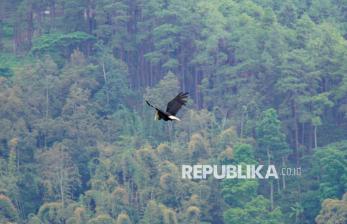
pixel 176 103
pixel 151 105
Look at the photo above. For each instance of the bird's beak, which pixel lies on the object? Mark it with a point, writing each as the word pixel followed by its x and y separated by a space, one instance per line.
pixel 156 116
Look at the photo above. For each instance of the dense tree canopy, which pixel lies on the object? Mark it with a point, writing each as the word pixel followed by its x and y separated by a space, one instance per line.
pixel 267 83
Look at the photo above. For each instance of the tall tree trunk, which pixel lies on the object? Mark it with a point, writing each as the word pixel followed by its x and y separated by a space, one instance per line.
pixel 278 186
pixel 16 36
pixel 271 183
pixel 47 112
pixel 150 74
pixel 315 136
pixel 303 133
pixel 296 132
pixel 52 14
pixel 241 127
pixel 106 84
pixel 182 70
pixel 61 176
pixel 1 33
pixel 30 29
pixel 283 176
pixel 196 87
pixel 310 136
pixel 243 116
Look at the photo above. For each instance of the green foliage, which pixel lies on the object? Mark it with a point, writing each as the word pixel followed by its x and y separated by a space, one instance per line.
pixel 7 30
pixel 33 219
pixel 198 147
pixel 153 214
pixel 244 153
pixel 333 211
pixel 115 88
pixel 8 213
pixel 123 218
pixel 52 42
pixel 270 137
pixel 331 165
pixel 51 213
pixel 193 215
pixel 78 143
pixel 101 219
pixel 6 72
pixel 255 211
pixel 237 192
pixel 9 62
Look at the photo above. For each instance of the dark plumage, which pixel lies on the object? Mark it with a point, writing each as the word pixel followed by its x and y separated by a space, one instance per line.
pixel 172 108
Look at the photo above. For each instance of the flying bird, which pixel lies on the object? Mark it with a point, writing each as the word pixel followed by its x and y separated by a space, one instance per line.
pixel 172 108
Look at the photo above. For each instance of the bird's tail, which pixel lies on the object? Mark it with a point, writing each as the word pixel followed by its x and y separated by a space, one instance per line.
pixel 174 118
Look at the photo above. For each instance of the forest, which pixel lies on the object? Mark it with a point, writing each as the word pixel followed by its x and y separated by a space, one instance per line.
pixel 267 83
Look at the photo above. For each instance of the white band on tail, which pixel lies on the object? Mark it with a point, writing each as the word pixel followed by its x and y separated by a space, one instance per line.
pixel 174 118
